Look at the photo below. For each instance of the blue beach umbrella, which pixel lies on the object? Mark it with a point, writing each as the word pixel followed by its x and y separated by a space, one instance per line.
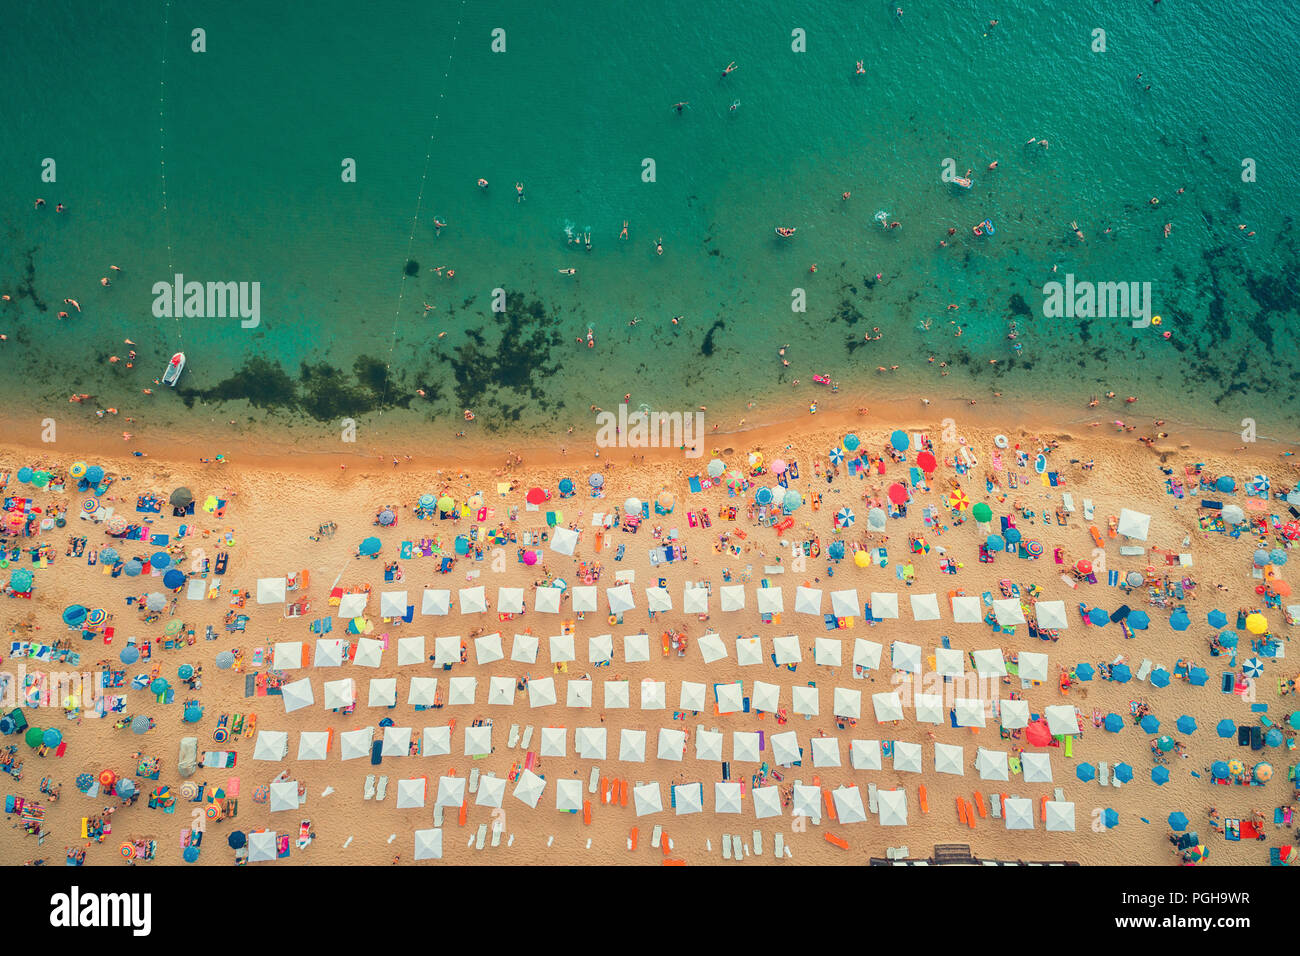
pixel 225 660
pixel 94 474
pixel 1012 535
pixel 185 672
pixel 370 546
pixel 837 455
pixel 1179 620
pixel 1217 618
pixel 1198 676
pixel 1121 674
pixel 74 615
pixel 1114 723
pixel 52 737
pixel 25 475
pixel 1178 820
pixel 1225 728
pixel 173 579
pixel 1099 617
pixel 160 560
pixel 1112 818
pixel 1225 483
pixel 995 542
pixel 837 550
pixel 159 685
pixel 792 500
pixel 427 501
pixel 139 724
pixel 1261 557
pixel 763 496
pixel 1084 671
pixel 1138 620
pixel 124 787
pixel 191 854
pixel 1219 770
pixel 1160 776
pixel 1294 720
pixel 1273 738
pixel 845 517
pixel 716 467
pixel 899 439
pixel 596 480
pixel 133 568
pixel 108 556
pixel 387 517
pixel 236 840
pixel 851 442
pixel 1186 724
pixel 20 580
pixel 193 714
pixel 129 654
pixel 1228 638
pixel 566 486
pixel 1085 772
pixel 1150 724
pixel 1277 556
pixel 1123 772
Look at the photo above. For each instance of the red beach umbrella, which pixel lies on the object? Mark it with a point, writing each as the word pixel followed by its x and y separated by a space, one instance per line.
pixel 1083 566
pixel 897 493
pixel 536 496
pixel 1038 734
pixel 925 461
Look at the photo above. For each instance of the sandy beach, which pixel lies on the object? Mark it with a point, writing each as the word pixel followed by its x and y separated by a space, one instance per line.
pixel 275 507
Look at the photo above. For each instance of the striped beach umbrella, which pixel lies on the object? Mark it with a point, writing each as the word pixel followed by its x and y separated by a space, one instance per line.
pixel 837 455
pixel 77 469
pixel 1253 667
pixel 844 517
pixel 959 500
pixel 90 505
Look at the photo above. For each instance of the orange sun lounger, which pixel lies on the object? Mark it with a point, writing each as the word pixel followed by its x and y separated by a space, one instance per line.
pixel 663 842
pixel 622 793
pixel 674 862
pixel 979 805
pixel 604 789
pixel 586 812
pixel 925 801
pixel 830 803
pixel 633 835
pixel 841 843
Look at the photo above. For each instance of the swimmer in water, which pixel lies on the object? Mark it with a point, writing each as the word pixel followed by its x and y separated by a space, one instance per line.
pixel 438 226
pixel 519 192
pixel 39 203
pixel 659 246
pixel 103 280
pixel 566 272
pixel 860 70
pixel 1168 227
pixel 993 165
pixel 681 106
pixel 731 68
pixel 74 303
pixel 623 233
pixel 587 239
pixel 735 104
pixel 482 183
pixel 1074 224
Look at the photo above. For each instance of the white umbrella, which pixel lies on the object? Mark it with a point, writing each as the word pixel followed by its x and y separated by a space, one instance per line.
pixel 1015 714
pixel 501 691
pixel 825 752
pixel 1037 767
pixel 730 698
pixel 529 787
pixel 547 600
pixel 1033 666
pixel 884 605
pixel 807 801
pixel 297 695
pixel 1133 524
pixel 631 746
pixel 867 653
pixel 564 540
pixel 555 741
pixel 524 649
pixel 271 745
pixel 473 600
pixel 711 648
pixel 589 743
pixel 672 744
pixel 846 603
pixel 261 846
pixel 950 759
pixel 383 692
pixel 1018 813
pixel 353 604
pixel 785 747
pixel 355 743
pixel 648 799
pixel 369 652
pixel 992 764
pixel 313 745
pixel 410 793
pixel 767 802
pixel 1058 817
pixel 585 598
pixel 620 598
pixel 436 741
pixel 654 694
pixel 1008 612
pixel 966 610
pixel 1051 615
pixel 726 797
pixel 770 601
pixel 487 648
pixel 658 599
pixel 807 600
pixel 749 650
pixel 733 597
pixel 392 604
pixel 491 792
pixel 929 708
pixel 578 693
pixel 970 712
pixel 848 805
pixel 787 649
pixel 636 648
pixel 691 696
pixel 562 649
pixel 616 694
pixel 766 697
pixel 461 691
pixel 270 590
pixel 329 652
pixel 887 706
pixel 847 703
pixel 600 649
pixel 435 601
pixel 893 807
pixel 695 600
pixel 568 795
pixel 804 700
pixel 989 663
pixel 708 745
pixel 907 757
pixel 397 742
pixel 428 844
pixel 925 607
pixel 865 754
pixel 906 657
pixel 827 652
pixel 541 692
pixel 744 747
pixel 410 650
pixel 287 655
pixel 446 650
pixel 949 662
pixel 284 795
pixel 1062 719
pixel 510 600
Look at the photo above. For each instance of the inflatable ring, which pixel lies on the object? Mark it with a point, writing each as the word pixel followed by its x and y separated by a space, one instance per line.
pixel 613 619
pixel 126 850
pixel 1156 320
pixel 4 563
pixel 211 811
pixel 1000 441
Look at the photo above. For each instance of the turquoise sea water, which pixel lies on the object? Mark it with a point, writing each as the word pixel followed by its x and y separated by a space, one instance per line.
pixel 251 135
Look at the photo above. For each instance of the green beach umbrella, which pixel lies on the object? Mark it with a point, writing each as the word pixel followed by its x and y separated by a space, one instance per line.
pixel 982 512
pixel 446 503
pixel 34 736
